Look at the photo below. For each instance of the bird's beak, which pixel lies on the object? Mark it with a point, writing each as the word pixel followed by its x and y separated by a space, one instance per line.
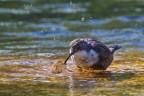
pixel 69 57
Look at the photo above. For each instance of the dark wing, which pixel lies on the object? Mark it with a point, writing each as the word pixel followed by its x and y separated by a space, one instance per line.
pixel 96 45
pixel 105 54
pixel 99 47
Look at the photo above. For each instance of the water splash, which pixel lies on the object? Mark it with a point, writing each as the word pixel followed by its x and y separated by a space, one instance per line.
pixel 71 3
pixel 28 12
pixel 90 17
pixel 82 19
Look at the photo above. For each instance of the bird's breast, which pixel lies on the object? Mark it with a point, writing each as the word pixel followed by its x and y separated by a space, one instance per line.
pixel 85 59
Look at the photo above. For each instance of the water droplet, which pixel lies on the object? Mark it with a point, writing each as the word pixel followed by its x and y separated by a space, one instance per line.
pixel 28 12
pixel 82 19
pixel 138 10
pixel 54 38
pixel 71 3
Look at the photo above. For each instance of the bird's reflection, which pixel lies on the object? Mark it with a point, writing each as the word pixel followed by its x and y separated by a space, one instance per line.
pixel 85 82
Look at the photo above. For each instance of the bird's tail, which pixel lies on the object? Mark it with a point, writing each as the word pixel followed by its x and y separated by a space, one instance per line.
pixel 114 47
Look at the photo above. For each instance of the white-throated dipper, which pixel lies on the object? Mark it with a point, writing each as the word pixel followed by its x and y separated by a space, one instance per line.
pixel 89 53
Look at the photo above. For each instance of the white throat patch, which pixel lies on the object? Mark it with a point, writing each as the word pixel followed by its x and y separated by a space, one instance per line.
pixel 85 59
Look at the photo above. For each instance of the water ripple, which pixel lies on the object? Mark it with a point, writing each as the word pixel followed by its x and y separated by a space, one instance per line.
pixel 129 18
pixel 44 34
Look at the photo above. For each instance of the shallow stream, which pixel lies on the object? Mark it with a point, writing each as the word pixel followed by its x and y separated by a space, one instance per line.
pixel 34 34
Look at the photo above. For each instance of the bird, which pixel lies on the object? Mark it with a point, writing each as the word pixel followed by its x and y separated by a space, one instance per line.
pixel 91 54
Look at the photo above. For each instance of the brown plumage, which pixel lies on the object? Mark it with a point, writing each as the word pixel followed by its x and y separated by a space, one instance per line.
pixel 89 53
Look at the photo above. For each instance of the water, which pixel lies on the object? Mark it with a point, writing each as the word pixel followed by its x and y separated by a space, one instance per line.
pixel 35 34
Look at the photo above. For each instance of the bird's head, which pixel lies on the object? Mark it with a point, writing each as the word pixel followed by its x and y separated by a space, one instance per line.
pixel 77 46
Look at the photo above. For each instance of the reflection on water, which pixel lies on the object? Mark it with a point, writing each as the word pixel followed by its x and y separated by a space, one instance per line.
pixel 32 80
pixel 36 33
pixel 33 77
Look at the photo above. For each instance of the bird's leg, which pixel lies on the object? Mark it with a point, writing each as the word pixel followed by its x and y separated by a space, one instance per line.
pixel 79 69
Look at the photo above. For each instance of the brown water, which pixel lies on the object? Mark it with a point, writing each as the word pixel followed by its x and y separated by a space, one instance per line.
pixel 36 34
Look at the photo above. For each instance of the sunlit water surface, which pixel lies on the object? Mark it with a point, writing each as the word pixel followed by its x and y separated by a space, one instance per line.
pixel 35 34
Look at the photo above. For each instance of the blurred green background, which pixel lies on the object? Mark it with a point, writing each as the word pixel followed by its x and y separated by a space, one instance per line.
pixel 32 26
